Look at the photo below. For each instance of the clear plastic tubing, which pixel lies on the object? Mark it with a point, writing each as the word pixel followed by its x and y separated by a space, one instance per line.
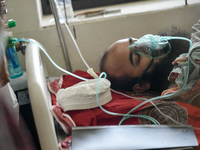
pixel 43 49
pixel 73 38
pixel 164 96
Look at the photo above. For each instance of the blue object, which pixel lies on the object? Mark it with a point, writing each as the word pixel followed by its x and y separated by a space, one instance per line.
pixel 14 67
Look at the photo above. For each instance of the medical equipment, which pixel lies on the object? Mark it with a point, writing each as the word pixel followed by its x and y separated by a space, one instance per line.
pixel 14 66
pixel 65 7
pixel 10 23
pixel 150 46
pixel 97 92
pixel 60 33
pixel 153 46
pixel 43 49
pixel 55 4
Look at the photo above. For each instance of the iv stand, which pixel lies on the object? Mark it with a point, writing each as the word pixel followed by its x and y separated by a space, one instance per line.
pixel 60 34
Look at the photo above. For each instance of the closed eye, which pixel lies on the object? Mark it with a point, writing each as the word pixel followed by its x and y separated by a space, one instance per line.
pixel 131 58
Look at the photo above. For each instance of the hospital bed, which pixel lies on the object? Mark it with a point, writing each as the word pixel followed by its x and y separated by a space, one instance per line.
pixel 40 98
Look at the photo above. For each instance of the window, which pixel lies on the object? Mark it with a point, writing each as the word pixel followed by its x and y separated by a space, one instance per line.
pixel 84 4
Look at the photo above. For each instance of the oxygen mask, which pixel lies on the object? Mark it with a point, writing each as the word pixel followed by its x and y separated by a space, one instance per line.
pixel 151 46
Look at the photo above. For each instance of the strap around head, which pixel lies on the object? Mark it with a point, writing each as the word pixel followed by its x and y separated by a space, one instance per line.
pixel 138 80
pixel 131 42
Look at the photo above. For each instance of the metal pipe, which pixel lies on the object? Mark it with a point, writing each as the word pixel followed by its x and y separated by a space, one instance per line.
pixel 65 11
pixel 60 34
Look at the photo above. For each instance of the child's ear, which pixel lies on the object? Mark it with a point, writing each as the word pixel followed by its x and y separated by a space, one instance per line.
pixel 141 87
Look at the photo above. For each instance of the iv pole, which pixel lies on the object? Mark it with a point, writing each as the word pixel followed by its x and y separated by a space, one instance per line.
pixel 60 34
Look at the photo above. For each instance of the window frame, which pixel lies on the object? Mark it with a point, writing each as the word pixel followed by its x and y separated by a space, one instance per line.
pixel 84 4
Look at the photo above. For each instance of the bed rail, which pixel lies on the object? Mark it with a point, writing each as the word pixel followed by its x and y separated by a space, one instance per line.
pixel 40 98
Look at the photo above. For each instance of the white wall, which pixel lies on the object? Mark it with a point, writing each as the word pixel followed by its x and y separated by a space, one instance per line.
pixel 95 36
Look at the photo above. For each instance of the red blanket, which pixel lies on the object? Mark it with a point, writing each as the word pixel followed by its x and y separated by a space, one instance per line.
pixel 182 112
